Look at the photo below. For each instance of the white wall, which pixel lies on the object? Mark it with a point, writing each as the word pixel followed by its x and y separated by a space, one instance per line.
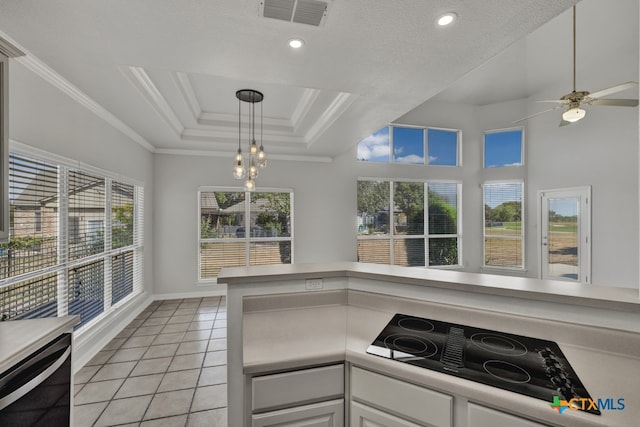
pixel 43 117
pixel 324 218
pixel 601 151
pixel 325 193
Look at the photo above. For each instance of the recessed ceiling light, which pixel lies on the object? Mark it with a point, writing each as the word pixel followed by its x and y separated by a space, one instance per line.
pixel 296 43
pixel 447 19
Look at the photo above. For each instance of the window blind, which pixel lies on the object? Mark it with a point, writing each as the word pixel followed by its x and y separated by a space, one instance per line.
pixel 65 254
pixel 86 214
pixel 503 231
pixel 86 291
pixel 239 229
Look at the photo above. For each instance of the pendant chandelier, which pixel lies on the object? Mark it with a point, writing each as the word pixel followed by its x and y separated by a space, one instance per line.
pixel 256 157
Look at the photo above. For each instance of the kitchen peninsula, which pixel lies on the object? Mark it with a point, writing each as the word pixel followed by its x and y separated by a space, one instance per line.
pixel 298 337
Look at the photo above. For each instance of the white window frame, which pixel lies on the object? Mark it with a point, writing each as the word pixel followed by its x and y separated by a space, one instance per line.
pixel 425 236
pixel 486 266
pixel 247 239
pixel 64 264
pixel 425 146
pixel 522 147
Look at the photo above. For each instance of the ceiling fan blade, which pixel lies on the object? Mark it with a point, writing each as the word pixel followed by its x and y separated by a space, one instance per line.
pixel 613 89
pixel 537 114
pixel 615 102
pixel 555 101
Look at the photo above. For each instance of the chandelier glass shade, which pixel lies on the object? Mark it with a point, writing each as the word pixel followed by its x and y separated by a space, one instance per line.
pixel 256 157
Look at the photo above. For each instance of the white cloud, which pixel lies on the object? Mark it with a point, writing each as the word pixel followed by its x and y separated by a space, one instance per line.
pixel 374 146
pixel 411 158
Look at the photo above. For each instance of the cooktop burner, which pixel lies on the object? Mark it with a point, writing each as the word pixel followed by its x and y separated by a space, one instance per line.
pixel 524 365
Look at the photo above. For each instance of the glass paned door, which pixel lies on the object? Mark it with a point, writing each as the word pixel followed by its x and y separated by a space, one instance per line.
pixel 565 245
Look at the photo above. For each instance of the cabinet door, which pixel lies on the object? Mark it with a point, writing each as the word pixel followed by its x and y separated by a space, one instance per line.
pixel 479 416
pixel 366 416
pixel 411 401
pixel 323 414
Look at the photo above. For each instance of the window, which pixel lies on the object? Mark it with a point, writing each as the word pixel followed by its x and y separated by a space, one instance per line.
pixel 240 228
pixel 398 235
pixel 443 147
pixel 503 231
pixel 408 146
pixel 375 147
pixel 503 148
pixel 66 254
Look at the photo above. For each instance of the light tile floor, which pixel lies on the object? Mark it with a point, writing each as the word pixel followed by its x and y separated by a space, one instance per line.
pixel 166 368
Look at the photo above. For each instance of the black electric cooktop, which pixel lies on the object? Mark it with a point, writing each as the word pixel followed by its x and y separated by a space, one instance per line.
pixel 524 365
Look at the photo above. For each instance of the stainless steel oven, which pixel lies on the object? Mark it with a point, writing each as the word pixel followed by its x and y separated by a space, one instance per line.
pixel 37 390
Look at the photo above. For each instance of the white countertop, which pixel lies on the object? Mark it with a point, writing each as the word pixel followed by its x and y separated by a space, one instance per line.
pixel 20 338
pixel 278 338
pixel 602 297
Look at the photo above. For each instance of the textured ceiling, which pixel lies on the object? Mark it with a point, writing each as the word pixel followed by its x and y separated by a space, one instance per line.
pixel 168 69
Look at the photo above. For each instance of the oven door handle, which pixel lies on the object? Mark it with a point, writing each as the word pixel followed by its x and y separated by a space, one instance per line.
pixel 35 382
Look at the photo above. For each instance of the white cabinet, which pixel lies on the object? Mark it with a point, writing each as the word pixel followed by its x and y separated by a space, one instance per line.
pixel 479 416
pixel 366 416
pixel 304 398
pixel 399 400
pixel 323 414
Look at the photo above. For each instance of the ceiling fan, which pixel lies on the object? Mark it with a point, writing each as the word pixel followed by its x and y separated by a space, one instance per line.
pixel 572 102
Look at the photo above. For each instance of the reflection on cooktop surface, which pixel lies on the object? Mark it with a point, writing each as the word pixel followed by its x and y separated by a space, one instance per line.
pixel 525 365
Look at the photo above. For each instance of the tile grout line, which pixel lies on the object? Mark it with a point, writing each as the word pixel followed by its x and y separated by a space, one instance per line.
pixel 215 310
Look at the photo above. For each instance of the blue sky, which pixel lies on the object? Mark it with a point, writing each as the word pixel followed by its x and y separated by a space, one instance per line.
pixel 503 148
pixel 565 206
pixel 375 147
pixel 408 146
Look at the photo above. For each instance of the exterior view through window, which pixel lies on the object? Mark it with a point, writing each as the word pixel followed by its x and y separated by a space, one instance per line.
pixel 76 241
pixel 503 148
pixel 240 228
pixel 503 231
pixel 408 223
pixel 409 145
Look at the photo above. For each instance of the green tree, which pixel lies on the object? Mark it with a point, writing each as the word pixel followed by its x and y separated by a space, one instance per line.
pixel 122 225
pixel 442 220
pixel 373 197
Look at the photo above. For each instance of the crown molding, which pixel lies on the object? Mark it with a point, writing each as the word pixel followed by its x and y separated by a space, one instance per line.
pixel 35 65
pixel 229 155
pixel 222 134
pixel 186 89
pixel 309 97
pixel 141 81
pixel 9 49
pixel 337 107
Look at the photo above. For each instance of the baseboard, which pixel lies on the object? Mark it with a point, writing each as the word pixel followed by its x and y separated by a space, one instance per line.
pixel 183 295
pixel 87 344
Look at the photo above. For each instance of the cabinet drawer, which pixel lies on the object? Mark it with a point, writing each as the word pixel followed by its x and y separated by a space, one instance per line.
pixel 297 387
pixel 479 416
pixel 323 414
pixel 406 400
pixel 365 416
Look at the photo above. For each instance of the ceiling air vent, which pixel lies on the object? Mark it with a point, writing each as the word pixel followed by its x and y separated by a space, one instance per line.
pixel 310 12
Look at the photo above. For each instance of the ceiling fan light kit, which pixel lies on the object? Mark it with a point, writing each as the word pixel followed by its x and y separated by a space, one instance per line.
pixel 573 101
pixel 573 114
